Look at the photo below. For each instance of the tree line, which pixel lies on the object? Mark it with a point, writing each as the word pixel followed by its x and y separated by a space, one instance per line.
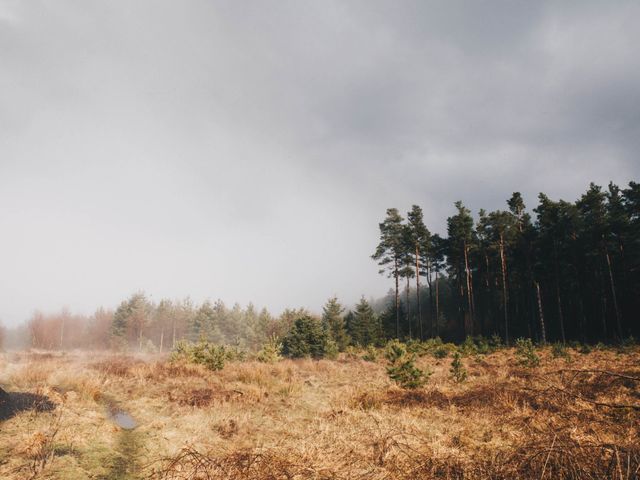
pixel 569 272
pixel 138 324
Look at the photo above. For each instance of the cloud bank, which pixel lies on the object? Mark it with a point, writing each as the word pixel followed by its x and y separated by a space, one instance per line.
pixel 247 150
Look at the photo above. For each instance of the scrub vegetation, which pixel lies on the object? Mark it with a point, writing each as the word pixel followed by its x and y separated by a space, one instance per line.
pixel 571 416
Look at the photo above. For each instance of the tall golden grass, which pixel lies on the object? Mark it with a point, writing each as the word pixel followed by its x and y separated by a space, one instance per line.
pixel 343 419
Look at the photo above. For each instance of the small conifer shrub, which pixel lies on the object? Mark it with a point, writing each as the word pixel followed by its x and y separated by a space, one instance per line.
pixel 401 367
pixel 204 353
pixel 370 354
pixel 559 350
pixel 270 351
pixel 457 371
pixel 526 353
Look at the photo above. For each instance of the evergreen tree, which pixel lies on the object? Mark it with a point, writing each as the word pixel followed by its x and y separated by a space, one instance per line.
pixel 420 240
pixel 460 242
pixel 306 338
pixel 364 326
pixel 334 324
pixel 390 252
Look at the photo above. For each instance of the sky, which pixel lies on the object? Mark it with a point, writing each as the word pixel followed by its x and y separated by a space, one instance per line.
pixel 248 150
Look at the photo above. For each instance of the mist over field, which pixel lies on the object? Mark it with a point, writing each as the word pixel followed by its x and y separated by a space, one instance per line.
pixel 248 151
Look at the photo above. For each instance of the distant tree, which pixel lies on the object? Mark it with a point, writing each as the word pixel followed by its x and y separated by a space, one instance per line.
pixel 501 231
pixel 204 324
pixel 364 325
pixel 438 248
pixel 130 320
pixel 306 338
pixel 333 323
pixel 390 252
pixel 420 240
pixel 407 271
pixel 460 242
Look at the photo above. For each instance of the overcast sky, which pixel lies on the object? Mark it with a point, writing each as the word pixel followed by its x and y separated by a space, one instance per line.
pixel 247 150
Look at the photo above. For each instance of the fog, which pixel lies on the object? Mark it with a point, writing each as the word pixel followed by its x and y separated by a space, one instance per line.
pixel 247 150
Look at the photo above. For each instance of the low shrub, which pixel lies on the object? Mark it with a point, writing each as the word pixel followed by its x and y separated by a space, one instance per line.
pixel 444 350
pixel 440 352
pixel 401 367
pixel 370 354
pixel 627 344
pixel 457 371
pixel 495 342
pixel 204 353
pixel 559 350
pixel 270 351
pixel 468 347
pixel 331 349
pixel 526 353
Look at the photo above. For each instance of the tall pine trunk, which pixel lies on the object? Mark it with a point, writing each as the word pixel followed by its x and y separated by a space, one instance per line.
pixel 437 305
pixel 418 290
pixel 505 301
pixel 395 274
pixel 430 283
pixel 558 299
pixel 541 314
pixel 613 293
pixel 407 315
pixel 469 320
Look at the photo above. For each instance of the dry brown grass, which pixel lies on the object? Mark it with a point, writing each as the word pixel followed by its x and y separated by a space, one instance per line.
pixel 324 419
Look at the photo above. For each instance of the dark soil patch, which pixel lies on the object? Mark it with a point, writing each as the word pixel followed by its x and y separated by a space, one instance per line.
pixel 12 403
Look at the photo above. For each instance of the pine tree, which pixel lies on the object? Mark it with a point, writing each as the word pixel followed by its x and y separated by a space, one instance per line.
pixel 420 242
pixel 460 242
pixel 306 338
pixel 389 253
pixel 334 323
pixel 365 329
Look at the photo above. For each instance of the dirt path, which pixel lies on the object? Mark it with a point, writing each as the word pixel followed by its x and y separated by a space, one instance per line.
pixel 123 464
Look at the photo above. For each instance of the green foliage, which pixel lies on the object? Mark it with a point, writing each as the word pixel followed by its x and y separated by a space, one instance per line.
pixel 627 344
pixel 370 354
pixel 457 371
pixel 526 353
pixel 415 346
pixel 559 350
pixel 364 325
pixel 130 319
pixel 351 352
pixel 495 342
pixel 401 367
pixel 585 349
pixel 334 323
pixel 204 353
pixel 468 347
pixel 306 338
pixel 441 352
pixel 270 351
pixel 331 350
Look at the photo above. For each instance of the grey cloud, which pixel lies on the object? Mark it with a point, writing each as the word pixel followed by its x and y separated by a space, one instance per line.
pixel 247 150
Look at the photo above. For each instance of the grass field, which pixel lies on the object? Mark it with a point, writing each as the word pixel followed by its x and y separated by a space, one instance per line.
pixel 327 419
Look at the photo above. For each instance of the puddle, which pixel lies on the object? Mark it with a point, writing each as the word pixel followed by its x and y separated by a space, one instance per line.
pixel 119 416
pixel 123 420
